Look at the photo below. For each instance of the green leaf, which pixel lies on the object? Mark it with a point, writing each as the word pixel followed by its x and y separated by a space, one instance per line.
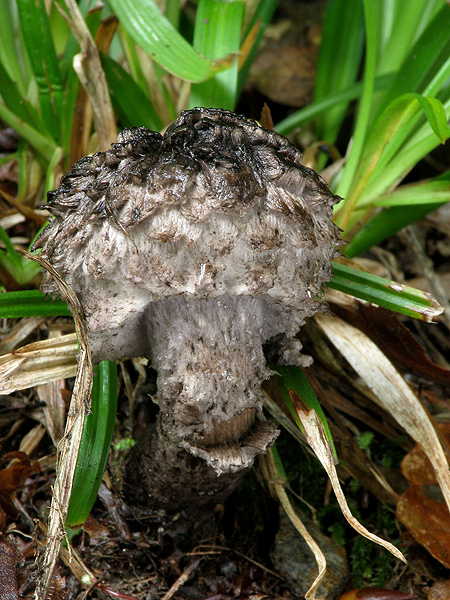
pixel 363 117
pixel 31 303
pixel 14 100
pixel 385 139
pixel 9 57
pixel 95 444
pixel 293 378
pixel 20 269
pixel 431 192
pixel 384 225
pixel 425 68
pixel 38 40
pixel 389 173
pixel 383 292
pixel 339 61
pixel 43 144
pixel 320 106
pixel 152 31
pixel 435 113
pixel 217 34
pixel 130 101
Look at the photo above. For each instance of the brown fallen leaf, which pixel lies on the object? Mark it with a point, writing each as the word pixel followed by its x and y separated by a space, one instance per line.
pixel 415 465
pixel 427 520
pixel 12 478
pixel 438 591
pixel 376 594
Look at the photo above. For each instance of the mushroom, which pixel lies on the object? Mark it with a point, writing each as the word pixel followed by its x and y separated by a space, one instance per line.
pixel 203 250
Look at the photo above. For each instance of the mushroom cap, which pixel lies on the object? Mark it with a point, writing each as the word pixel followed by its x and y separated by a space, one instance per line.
pixel 218 206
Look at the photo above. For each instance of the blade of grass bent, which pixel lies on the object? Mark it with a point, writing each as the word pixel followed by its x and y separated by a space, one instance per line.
pixel 384 140
pixel 152 31
pixel 319 106
pixel 424 58
pixel 316 438
pixel 294 379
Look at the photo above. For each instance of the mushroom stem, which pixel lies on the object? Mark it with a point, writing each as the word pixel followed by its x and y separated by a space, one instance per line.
pixel 210 364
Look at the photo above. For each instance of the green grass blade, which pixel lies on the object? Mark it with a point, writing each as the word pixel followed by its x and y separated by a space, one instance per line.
pixel 130 101
pixel 152 31
pixel 9 49
pixel 31 303
pixel 95 443
pixel 293 378
pixel 43 144
pixel 320 106
pixel 363 118
pixel 385 224
pixel 132 58
pixel 385 139
pixel 15 101
pixel 421 143
pixel 383 292
pixel 217 34
pixel 339 60
pixel 21 269
pixel 172 12
pixel 424 61
pixel 406 22
pixel 44 62
pixel 433 192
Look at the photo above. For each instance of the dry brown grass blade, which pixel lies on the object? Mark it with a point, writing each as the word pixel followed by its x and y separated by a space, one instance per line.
pixel 88 67
pixel 38 363
pixel 278 492
pixel 69 445
pixel 19 333
pixel 316 438
pixel 390 391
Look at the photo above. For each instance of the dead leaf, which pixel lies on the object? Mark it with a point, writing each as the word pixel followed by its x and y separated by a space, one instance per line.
pixel 12 479
pixel 427 520
pixel 38 363
pixel 276 486
pixel 315 435
pixel 393 338
pixel 390 391
pixel 438 591
pixel 416 467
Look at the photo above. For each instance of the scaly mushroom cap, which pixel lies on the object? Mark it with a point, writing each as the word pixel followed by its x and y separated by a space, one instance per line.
pixel 217 207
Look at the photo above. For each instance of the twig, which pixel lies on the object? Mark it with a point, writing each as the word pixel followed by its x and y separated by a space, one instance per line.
pixel 187 573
